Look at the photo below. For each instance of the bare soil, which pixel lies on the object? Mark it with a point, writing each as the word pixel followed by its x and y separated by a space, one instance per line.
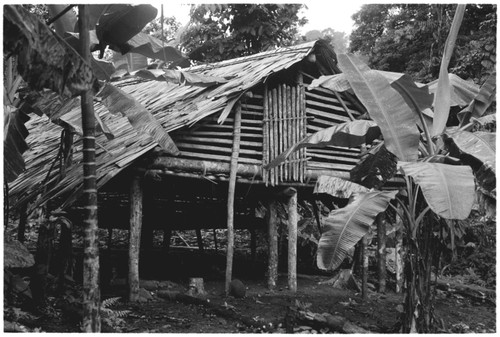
pixel 378 314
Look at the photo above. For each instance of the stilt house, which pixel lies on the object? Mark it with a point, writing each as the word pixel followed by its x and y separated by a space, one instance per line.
pixel 263 106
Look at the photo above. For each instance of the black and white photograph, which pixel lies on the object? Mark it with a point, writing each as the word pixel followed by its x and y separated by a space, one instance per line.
pixel 305 167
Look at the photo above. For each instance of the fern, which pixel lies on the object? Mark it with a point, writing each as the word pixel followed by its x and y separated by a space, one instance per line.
pixel 107 312
pixel 109 302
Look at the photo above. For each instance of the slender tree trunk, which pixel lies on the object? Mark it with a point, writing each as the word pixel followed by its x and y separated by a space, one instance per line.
pixel 230 195
pixel 272 225
pixel 292 241
pixel 134 238
pixel 381 254
pixel 364 254
pixel 91 292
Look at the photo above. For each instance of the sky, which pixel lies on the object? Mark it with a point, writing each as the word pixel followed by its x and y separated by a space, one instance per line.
pixel 321 14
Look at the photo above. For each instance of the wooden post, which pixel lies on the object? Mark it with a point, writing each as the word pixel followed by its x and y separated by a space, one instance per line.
pixel 230 195
pixel 272 223
pixel 215 240
pixel 364 285
pixel 91 291
pixel 167 235
pixel 199 239
pixel 134 238
pixel 381 254
pixel 292 241
pixel 110 237
pixel 23 220
pixel 253 244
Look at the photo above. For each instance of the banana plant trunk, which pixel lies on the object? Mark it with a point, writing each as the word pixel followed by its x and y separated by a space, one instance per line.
pixel 91 292
pixel 418 316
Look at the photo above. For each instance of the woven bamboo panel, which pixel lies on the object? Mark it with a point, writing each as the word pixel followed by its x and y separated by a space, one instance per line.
pixel 283 125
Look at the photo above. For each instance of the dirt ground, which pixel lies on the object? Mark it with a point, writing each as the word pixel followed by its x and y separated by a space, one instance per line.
pixel 259 311
pixel 379 314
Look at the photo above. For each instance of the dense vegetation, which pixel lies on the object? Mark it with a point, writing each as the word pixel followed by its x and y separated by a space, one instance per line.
pixel 410 38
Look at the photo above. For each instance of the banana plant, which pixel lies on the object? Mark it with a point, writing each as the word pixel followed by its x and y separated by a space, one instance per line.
pixel 439 166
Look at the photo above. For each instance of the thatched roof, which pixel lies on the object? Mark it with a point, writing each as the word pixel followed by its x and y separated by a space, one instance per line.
pixel 173 106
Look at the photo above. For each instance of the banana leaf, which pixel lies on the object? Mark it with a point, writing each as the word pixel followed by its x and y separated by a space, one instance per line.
pixel 448 190
pixel 119 102
pixel 385 106
pixel 45 60
pixel 337 82
pixel 14 143
pixel 480 145
pixel 349 134
pixel 485 119
pixel 119 24
pixel 180 77
pixel 375 168
pixel 344 227
pixel 337 187
pixel 481 102
pixel 442 98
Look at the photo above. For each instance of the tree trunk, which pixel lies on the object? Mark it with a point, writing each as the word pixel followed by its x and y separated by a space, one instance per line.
pixel 364 272
pixel 292 241
pixel 418 316
pixel 134 238
pixel 272 223
pixel 381 254
pixel 230 196
pixel 91 293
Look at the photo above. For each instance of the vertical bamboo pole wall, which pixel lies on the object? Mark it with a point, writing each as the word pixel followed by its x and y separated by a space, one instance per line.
pixel 284 125
pixel 302 127
pixel 274 128
pixel 265 134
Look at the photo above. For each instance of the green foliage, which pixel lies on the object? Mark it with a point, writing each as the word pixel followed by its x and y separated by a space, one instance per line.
pixel 170 28
pixel 223 31
pixel 410 38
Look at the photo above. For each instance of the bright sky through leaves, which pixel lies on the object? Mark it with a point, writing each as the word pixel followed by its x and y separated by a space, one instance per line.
pixel 321 14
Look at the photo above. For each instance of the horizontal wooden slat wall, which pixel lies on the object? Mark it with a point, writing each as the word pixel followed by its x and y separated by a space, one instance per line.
pixel 209 140
pixel 323 110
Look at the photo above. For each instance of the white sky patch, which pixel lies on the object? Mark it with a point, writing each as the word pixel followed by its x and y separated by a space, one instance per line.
pixel 320 13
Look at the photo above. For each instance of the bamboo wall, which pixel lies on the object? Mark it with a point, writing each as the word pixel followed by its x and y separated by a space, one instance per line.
pixel 284 125
pixel 273 119
pixel 208 140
